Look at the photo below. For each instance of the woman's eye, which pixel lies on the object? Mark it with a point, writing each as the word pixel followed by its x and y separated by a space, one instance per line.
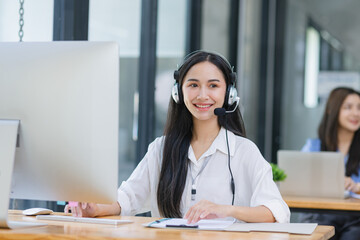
pixel 193 85
pixel 213 85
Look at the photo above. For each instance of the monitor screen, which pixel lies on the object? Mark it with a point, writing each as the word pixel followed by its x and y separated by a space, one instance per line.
pixel 66 98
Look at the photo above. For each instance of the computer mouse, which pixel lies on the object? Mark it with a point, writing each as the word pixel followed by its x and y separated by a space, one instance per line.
pixel 37 211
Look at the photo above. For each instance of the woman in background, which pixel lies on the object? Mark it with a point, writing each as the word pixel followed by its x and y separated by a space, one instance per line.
pixel 339 130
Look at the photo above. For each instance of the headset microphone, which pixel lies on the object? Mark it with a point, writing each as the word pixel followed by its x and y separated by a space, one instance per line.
pixel 222 111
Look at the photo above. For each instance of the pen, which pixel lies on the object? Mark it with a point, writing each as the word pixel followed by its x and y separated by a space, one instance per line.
pixel 182 226
pixel 159 221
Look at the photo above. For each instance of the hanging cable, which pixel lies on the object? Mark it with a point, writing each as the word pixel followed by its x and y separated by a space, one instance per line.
pixel 13 203
pixel 21 20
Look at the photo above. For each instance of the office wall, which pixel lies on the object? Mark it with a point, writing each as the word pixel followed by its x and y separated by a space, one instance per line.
pixel 38 20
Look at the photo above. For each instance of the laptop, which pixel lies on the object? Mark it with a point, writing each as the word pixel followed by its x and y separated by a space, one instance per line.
pixel 312 174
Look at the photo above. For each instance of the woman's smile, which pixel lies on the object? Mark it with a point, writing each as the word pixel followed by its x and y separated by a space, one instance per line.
pixel 202 106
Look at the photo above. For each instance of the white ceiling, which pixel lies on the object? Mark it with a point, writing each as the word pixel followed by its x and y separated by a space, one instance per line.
pixel 341 18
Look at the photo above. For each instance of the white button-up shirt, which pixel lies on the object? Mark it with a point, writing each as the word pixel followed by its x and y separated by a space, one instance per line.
pixel 252 177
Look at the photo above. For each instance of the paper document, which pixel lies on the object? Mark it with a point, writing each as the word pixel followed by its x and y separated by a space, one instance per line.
pixel 182 223
pixel 226 225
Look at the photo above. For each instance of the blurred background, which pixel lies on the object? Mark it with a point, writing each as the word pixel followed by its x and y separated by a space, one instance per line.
pixel 288 55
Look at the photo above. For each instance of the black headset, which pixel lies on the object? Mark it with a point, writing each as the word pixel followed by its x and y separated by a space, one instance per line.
pixel 231 92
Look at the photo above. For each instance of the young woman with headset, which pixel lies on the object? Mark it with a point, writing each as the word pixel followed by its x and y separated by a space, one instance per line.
pixel 203 167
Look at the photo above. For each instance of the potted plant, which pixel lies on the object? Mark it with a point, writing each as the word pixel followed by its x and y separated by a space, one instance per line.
pixel 278 174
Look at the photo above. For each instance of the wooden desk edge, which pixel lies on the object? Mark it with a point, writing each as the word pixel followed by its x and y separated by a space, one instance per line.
pixel 327 234
pixel 66 230
pixel 350 204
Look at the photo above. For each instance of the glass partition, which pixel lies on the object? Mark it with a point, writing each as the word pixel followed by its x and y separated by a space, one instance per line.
pixel 119 20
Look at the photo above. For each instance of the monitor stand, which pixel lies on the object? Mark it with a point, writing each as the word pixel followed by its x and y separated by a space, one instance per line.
pixel 8 138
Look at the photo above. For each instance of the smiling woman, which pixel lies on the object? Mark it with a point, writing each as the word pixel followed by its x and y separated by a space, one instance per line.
pixel 339 130
pixel 203 167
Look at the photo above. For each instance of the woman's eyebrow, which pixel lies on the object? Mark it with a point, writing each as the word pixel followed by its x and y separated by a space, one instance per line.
pixel 214 80
pixel 196 80
pixel 192 80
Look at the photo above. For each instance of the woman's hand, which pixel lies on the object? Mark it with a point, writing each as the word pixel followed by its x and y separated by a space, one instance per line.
pixel 82 209
pixel 352 186
pixel 206 210
pixel 92 209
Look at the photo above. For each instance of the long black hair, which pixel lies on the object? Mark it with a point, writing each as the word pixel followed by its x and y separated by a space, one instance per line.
pixel 329 125
pixel 178 134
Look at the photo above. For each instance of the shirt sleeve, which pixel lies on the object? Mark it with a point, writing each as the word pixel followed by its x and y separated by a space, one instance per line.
pixel 264 190
pixel 312 145
pixel 134 192
pixel 266 193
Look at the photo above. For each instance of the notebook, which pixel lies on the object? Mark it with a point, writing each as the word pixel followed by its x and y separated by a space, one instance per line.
pixel 312 174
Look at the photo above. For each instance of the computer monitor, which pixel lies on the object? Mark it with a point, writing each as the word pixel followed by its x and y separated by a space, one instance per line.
pixel 65 96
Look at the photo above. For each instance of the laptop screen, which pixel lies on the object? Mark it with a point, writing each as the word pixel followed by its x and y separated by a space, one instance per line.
pixel 312 174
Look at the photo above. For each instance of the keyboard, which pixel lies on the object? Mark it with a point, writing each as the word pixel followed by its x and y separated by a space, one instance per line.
pixel 82 219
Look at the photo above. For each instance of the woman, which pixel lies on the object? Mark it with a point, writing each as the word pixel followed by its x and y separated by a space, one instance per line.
pixel 339 130
pixel 187 172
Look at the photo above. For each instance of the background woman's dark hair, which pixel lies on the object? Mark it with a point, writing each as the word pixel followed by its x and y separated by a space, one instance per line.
pixel 178 134
pixel 329 126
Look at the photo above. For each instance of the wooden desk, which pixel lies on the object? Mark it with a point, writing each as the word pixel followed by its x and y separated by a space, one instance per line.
pixel 325 205
pixel 65 230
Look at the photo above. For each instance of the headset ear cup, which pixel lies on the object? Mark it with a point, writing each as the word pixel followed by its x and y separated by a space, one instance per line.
pixel 226 102
pixel 232 95
pixel 175 93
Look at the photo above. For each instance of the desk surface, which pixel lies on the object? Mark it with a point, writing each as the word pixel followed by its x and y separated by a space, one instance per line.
pixel 348 204
pixel 66 230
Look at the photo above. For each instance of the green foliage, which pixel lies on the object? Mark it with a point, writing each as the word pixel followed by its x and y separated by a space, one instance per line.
pixel 278 173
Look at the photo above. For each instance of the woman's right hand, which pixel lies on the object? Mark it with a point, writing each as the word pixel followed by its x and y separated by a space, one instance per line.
pixel 79 209
pixel 352 186
pixel 82 209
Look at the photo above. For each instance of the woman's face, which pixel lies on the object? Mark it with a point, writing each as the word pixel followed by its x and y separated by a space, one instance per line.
pixel 204 90
pixel 349 115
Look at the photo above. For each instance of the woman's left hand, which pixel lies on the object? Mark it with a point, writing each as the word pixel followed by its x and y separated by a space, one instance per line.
pixel 206 210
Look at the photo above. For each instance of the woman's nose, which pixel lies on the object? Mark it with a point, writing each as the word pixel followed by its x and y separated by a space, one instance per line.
pixel 203 94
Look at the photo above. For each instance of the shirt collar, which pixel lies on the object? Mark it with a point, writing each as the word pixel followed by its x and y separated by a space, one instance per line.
pixel 219 144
